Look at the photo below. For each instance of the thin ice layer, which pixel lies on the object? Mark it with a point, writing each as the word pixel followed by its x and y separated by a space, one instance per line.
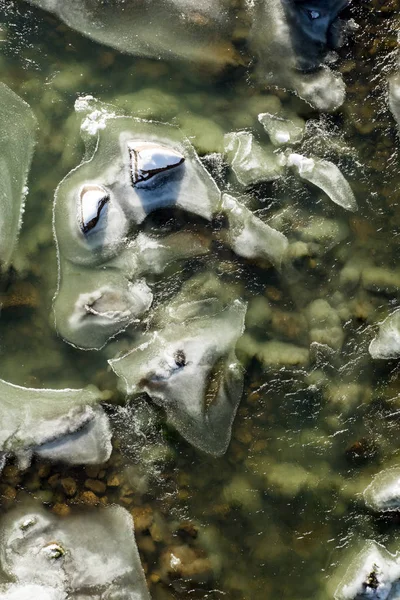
pixel 28 591
pixel 91 552
pixel 250 237
pixel 282 130
pixel 327 177
pixel 189 367
pixel 32 418
pixel 183 29
pixel 250 162
pixel 277 40
pixel 17 135
pixel 386 344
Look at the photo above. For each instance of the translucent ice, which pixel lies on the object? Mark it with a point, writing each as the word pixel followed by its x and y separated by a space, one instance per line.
pixel 17 133
pixel 386 344
pixel 171 29
pixel 287 39
pixel 93 554
pixel 383 493
pixel 326 176
pixel 250 237
pixel 394 96
pixel 282 130
pixel 45 421
pixel 370 576
pixel 131 169
pixel 188 366
pixel 250 162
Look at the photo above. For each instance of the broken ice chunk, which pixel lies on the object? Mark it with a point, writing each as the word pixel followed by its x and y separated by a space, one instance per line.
pixel 250 162
pixel 371 576
pixel 190 369
pixel 282 130
pixel 32 418
pixel 180 29
pixel 18 132
pixel 386 344
pixel 326 176
pixel 383 493
pixel 249 236
pixel 89 553
pixel 90 445
pixel 28 591
pixel 149 159
pixel 93 306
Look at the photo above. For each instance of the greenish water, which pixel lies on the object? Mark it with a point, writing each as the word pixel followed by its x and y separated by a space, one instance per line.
pixel 277 514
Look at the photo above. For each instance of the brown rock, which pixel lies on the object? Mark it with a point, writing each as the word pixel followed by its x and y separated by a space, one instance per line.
pixel 185 562
pixel 69 486
pixel 99 487
pixel 89 498
pixel 142 517
pixel 60 509
pixel 114 480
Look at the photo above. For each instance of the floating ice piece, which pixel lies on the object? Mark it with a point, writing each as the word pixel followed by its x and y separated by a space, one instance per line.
pixel 189 367
pixel 282 130
pixel 327 177
pixel 45 421
pixel 18 132
pixel 93 306
pixel 29 591
pixel 90 554
pixel 278 38
pixel 250 237
pixel 383 493
pixel 394 96
pixel 315 29
pixel 198 30
pixel 386 344
pixel 371 576
pixel 149 159
pixel 249 161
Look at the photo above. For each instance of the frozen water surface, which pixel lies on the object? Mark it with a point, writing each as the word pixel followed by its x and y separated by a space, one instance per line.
pixel 214 353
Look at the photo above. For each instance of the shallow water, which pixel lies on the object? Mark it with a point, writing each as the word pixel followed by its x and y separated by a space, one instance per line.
pixel 274 517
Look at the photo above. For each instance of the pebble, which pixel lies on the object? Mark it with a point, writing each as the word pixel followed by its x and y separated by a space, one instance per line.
pixel 69 486
pixel 99 487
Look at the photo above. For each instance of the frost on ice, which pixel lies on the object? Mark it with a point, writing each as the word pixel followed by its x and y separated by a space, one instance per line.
pixel 55 424
pixel 386 344
pixel 89 554
pixel 383 493
pixel 17 134
pixel 187 363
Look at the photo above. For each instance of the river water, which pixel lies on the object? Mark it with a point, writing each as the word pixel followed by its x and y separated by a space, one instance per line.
pixel 282 510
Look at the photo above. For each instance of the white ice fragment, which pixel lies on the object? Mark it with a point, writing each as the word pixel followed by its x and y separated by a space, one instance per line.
pixel 93 199
pixel 149 159
pixel 28 591
pixel 189 368
pixel 370 576
pixel 326 176
pixel 250 237
pixel 89 445
pixel 394 97
pixel 383 493
pixel 282 130
pixel 250 162
pixel 91 554
pixel 386 344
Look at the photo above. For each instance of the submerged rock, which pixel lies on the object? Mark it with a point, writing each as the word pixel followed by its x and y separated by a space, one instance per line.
pixel 188 366
pixel 61 425
pixel 18 134
pixel 386 344
pixel 89 554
